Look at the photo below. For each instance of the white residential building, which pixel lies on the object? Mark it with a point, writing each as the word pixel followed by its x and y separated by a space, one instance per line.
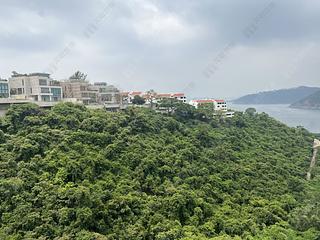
pixel 35 86
pixel 178 96
pixel 217 104
pixel 156 97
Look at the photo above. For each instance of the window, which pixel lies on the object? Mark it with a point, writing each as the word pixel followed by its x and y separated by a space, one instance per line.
pixel 16 91
pixel 84 95
pixel 43 82
pixel 3 86
pixel 45 98
pixel 45 90
pixel 56 92
pixel 4 90
pixel 106 98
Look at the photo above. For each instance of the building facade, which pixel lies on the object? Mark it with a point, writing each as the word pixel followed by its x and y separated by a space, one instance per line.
pixel 153 96
pixel 218 105
pixel 80 90
pixel 107 94
pixel 35 86
pixel 4 88
pixel 83 91
pixel 179 96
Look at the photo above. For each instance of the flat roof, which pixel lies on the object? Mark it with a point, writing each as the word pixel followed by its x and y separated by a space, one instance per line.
pixel 15 74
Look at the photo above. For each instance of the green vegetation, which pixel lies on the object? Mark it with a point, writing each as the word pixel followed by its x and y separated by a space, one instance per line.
pixel 138 100
pixel 75 173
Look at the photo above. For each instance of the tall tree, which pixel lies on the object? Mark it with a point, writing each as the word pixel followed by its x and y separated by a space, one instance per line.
pixel 79 76
pixel 138 100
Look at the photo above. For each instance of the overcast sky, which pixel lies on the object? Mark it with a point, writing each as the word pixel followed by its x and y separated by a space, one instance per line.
pixel 206 48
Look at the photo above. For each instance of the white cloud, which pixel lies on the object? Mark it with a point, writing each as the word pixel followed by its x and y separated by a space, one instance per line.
pixel 153 24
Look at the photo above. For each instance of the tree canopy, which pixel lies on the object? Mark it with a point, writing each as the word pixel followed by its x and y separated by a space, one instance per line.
pixel 75 173
pixel 79 76
pixel 138 100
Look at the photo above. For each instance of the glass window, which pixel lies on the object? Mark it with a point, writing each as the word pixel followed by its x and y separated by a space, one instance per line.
pixel 56 91
pixel 43 82
pixel 45 90
pixel 45 98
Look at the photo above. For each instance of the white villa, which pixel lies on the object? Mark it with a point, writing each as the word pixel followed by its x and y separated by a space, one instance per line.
pixel 218 105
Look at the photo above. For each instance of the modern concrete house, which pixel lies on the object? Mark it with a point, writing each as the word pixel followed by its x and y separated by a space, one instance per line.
pixel 4 88
pixel 35 86
pixel 85 92
pixel 107 94
pixel 80 90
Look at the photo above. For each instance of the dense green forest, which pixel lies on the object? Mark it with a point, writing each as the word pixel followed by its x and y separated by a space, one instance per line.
pixel 75 173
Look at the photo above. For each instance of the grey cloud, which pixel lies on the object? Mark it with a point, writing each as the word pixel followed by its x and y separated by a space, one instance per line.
pixel 165 44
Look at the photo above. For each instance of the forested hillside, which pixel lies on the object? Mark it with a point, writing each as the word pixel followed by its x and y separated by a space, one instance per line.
pixel 310 102
pixel 282 96
pixel 75 173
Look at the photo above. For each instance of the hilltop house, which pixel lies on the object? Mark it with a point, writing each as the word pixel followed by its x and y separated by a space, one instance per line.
pixel 152 96
pixel 107 94
pixel 217 104
pixel 83 91
pixel 35 86
pixel 80 90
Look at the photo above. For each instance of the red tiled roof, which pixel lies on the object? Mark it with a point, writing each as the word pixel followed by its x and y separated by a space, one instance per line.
pixel 135 93
pixel 164 95
pixel 208 100
pixel 178 94
pixel 205 101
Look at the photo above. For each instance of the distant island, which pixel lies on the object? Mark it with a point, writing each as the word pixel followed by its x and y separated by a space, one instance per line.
pixel 282 96
pixel 309 102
